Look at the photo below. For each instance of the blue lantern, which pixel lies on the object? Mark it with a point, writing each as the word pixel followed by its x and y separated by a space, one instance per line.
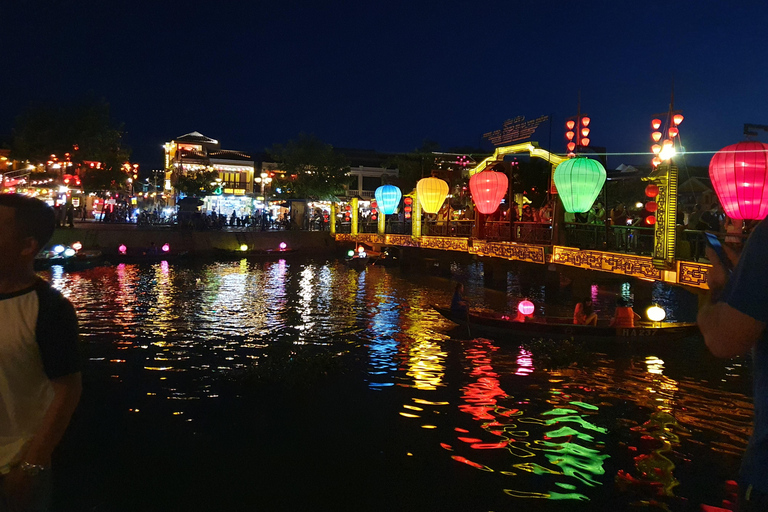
pixel 387 197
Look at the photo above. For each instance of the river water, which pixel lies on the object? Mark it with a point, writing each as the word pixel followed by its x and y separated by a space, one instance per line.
pixel 306 385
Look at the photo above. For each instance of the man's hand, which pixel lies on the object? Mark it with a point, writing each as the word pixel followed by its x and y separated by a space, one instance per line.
pixel 718 275
pixel 17 486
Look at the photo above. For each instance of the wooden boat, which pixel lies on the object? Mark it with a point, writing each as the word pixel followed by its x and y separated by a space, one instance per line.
pixel 493 324
pixel 255 253
pixel 146 256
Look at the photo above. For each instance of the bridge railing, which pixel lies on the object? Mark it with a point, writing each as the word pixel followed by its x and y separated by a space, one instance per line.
pixel 539 233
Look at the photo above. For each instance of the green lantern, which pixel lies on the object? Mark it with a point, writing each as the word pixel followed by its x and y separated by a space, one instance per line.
pixel 578 182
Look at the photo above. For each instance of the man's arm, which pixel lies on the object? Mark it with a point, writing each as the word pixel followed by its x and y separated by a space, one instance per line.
pixel 67 390
pixel 727 331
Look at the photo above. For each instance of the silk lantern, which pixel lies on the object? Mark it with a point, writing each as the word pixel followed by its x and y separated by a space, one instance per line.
pixel 652 190
pixel 739 173
pixel 488 188
pixel 388 197
pixel 432 193
pixel 578 182
pixel 525 307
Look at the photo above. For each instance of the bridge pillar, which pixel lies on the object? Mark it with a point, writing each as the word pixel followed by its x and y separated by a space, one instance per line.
pixel 332 219
pixel 494 274
pixel 355 214
pixel 381 227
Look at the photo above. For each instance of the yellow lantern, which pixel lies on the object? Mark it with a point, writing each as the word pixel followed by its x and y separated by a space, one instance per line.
pixel 432 193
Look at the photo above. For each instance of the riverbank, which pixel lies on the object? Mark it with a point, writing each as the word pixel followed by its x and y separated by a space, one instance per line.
pixel 108 237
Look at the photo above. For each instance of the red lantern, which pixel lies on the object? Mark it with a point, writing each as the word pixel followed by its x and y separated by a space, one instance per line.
pixel 677 119
pixel 571 146
pixel 739 174
pixel 656 149
pixel 673 132
pixel 585 132
pixel 408 201
pixel 656 136
pixel 488 188
pixel 585 141
pixel 570 124
pixel 585 121
pixel 656 124
pixel 652 190
pixel 525 307
pixel 651 206
pixel 569 135
pixel 656 161
pixel 650 220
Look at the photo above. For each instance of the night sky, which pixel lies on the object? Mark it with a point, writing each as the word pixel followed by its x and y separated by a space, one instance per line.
pixel 387 75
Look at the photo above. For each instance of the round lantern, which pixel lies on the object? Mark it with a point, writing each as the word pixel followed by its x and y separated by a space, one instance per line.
pixel 571 146
pixel 656 313
pixel 651 206
pixel 585 132
pixel 656 124
pixel 677 119
pixel 656 136
pixel 432 193
pixel 388 197
pixel 585 121
pixel 578 182
pixel 656 148
pixel 739 174
pixel 569 135
pixel 585 141
pixel 525 307
pixel 570 124
pixel 488 188
pixel 673 132
pixel 650 220
pixel 652 190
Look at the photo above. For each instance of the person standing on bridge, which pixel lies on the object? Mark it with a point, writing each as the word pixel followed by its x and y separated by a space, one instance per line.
pixel 733 324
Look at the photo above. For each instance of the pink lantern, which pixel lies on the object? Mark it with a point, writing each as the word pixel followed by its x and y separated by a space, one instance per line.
pixel 123 249
pixel 739 174
pixel 166 247
pixel 488 188
pixel 525 307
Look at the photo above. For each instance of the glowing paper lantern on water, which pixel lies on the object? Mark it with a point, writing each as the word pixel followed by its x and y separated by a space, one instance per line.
pixel 432 193
pixel 387 198
pixel 283 246
pixel 739 174
pixel 655 313
pixel 122 249
pixel 244 247
pixel 488 189
pixel 166 248
pixel 652 190
pixel 525 307
pixel 77 246
pixel 69 252
pixel 58 249
pixel 578 182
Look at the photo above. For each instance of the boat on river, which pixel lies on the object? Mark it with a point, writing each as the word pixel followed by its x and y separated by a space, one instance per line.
pixel 495 324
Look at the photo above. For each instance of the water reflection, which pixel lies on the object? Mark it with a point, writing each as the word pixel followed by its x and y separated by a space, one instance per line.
pixel 161 338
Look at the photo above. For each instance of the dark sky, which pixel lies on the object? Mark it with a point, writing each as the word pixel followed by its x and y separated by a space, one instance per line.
pixel 387 75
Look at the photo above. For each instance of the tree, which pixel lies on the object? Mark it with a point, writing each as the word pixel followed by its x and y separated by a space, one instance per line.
pixel 199 184
pixel 84 129
pixel 312 169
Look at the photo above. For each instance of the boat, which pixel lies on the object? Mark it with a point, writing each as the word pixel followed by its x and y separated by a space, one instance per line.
pixel 248 253
pixel 145 255
pixel 494 324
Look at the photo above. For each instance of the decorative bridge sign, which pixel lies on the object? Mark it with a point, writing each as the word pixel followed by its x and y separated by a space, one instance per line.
pixel 514 130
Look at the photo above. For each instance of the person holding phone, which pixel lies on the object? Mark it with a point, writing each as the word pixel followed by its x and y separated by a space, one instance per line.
pixel 734 323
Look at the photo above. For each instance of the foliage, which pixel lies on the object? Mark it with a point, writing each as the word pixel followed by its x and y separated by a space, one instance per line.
pixel 312 168
pixel 199 184
pixel 84 129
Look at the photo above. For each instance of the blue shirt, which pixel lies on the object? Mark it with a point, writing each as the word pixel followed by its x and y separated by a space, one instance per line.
pixel 747 292
pixel 456 307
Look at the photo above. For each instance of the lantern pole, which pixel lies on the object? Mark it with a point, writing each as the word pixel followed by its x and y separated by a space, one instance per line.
pixel 355 214
pixel 332 223
pixel 416 216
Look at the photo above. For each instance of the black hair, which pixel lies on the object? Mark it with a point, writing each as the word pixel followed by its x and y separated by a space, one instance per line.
pixel 32 217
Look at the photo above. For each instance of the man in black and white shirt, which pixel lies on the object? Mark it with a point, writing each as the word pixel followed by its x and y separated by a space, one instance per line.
pixel 40 380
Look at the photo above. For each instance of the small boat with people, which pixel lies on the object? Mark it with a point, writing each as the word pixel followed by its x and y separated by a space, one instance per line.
pixel 495 324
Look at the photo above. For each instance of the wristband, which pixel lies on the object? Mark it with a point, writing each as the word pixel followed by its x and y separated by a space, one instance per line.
pixel 32 469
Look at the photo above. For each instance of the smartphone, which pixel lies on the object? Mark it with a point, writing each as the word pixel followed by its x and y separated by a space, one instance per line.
pixel 715 244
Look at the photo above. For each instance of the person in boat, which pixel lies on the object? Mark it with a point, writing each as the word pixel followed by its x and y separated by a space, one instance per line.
pixel 584 314
pixel 624 316
pixel 459 305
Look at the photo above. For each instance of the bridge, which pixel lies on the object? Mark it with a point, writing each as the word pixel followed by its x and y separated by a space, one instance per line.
pixel 659 253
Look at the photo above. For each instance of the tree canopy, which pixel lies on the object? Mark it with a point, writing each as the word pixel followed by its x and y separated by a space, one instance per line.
pixel 313 170
pixel 198 184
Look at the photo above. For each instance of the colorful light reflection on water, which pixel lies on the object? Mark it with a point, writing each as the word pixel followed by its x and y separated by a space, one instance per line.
pixel 608 428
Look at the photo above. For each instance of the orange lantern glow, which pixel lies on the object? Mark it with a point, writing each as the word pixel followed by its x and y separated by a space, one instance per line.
pixel 585 132
pixel 656 161
pixel 571 146
pixel 432 193
pixel 656 124
pixel 650 220
pixel 656 136
pixel 656 149
pixel 652 190
pixel 673 132
pixel 488 189
pixel 570 124
pixel 651 206
pixel 585 121
pixel 585 141
pixel 569 135
pixel 677 119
